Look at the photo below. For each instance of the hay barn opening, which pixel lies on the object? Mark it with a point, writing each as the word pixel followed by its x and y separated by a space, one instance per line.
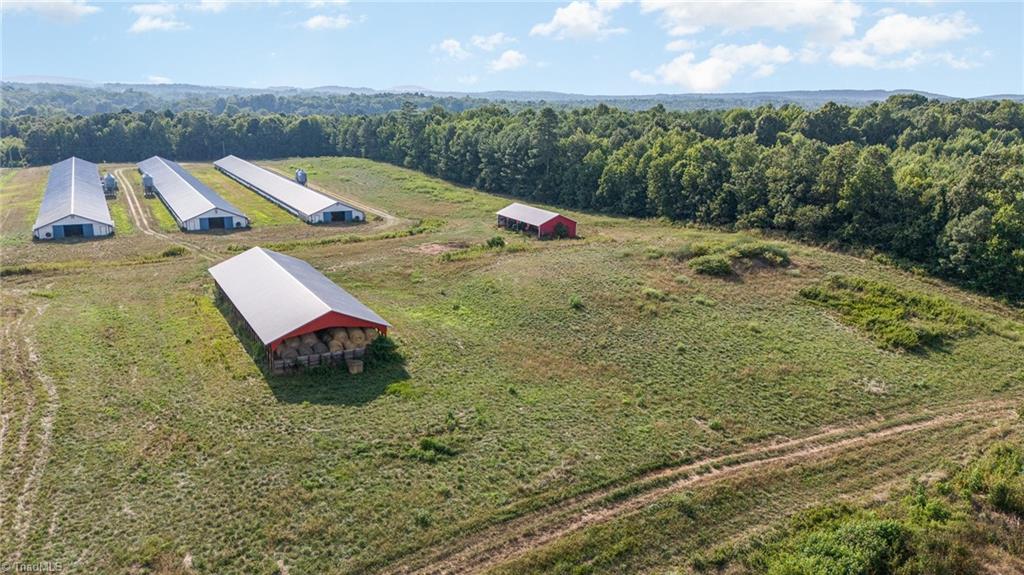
pixel 298 315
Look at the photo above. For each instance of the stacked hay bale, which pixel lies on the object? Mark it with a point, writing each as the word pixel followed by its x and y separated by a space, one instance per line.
pixel 329 341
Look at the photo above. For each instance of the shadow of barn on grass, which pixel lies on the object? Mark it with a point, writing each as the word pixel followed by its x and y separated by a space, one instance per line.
pixel 322 385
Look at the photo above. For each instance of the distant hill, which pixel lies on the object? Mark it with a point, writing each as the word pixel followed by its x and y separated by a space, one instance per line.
pixel 43 94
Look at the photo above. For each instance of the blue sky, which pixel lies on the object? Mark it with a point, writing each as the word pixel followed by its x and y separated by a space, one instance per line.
pixel 593 47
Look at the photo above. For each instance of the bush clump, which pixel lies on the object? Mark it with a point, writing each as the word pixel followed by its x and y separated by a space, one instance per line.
pixel 174 252
pixel 895 318
pixel 496 242
pixel 769 254
pixel 711 265
pixel 383 350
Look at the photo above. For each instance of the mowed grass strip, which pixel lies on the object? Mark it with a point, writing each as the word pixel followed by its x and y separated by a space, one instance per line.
pixel 530 375
pixel 261 212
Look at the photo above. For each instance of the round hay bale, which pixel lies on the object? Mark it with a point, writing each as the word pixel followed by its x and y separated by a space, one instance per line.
pixel 371 333
pixel 305 350
pixel 356 335
pixel 289 353
pixel 320 347
pixel 292 342
pixel 335 345
pixel 309 339
pixel 325 336
pixel 339 331
pixel 348 345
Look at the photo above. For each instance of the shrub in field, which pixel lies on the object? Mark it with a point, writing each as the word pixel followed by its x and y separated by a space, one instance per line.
pixel 561 231
pixel 897 319
pixel 770 254
pixel 173 252
pixel 711 265
pixel 383 350
pixel 689 251
pixel 496 242
pixel 858 546
pixel 576 302
pixel 999 476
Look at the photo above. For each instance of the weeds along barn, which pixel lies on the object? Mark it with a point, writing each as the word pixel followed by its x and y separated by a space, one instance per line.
pixel 195 206
pixel 543 223
pixel 299 316
pixel 73 204
pixel 309 205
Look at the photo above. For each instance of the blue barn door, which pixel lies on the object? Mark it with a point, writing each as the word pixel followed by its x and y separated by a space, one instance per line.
pixel 204 223
pixel 87 231
pixel 58 231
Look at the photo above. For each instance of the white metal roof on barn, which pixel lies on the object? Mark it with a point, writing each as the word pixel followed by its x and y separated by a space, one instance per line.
pixel 185 195
pixel 73 189
pixel 277 294
pixel 527 214
pixel 298 197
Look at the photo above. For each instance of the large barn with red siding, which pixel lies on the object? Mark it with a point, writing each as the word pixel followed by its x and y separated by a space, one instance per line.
pixel 543 223
pixel 282 299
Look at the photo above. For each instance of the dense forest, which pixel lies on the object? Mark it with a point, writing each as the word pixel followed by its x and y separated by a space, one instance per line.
pixel 936 184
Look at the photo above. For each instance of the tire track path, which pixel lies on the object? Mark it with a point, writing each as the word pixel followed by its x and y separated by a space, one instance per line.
pixel 30 459
pixel 491 546
pixel 141 220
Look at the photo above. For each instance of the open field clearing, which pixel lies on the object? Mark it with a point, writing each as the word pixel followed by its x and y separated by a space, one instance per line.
pixel 543 384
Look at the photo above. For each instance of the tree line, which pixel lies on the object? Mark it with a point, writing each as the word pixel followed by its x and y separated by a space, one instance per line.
pixel 940 184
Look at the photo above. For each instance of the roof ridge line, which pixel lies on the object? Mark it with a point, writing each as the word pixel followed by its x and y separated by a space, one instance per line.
pixel 266 253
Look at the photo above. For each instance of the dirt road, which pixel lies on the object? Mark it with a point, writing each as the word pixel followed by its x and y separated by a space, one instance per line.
pixel 492 546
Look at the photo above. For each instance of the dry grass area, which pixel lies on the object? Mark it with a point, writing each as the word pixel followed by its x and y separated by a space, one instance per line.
pixel 533 374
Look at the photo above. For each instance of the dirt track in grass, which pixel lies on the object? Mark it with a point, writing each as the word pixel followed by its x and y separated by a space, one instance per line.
pixel 503 542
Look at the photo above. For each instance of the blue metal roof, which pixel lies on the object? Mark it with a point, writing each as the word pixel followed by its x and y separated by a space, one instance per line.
pixel 185 195
pixel 73 189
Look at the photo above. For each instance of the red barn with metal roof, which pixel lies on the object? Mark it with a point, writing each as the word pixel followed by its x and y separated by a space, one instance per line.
pixel 521 217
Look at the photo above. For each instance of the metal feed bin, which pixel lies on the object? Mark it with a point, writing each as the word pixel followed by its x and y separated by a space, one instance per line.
pixel 300 176
pixel 147 185
pixel 109 185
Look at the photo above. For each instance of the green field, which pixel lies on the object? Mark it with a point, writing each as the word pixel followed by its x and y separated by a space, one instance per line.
pixel 533 373
pixel 261 212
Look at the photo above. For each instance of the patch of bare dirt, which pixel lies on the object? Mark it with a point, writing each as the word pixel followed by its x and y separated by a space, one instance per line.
pixel 434 249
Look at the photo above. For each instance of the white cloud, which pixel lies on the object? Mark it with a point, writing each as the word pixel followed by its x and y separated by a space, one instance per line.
pixel 322 3
pixel 509 60
pixel 826 20
pixel 60 10
pixel 489 43
pixel 902 41
pixel 718 69
pixel 680 45
pixel 152 17
pixel 453 48
pixel 468 80
pixel 324 22
pixel 158 79
pixel 643 78
pixel 580 19
pixel 899 32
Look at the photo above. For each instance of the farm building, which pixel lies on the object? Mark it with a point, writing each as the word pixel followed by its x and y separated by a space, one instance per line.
pixel 300 317
pixel 310 205
pixel 194 205
pixel 533 220
pixel 73 204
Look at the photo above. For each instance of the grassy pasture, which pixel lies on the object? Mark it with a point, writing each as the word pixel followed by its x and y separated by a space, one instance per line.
pixel 532 372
